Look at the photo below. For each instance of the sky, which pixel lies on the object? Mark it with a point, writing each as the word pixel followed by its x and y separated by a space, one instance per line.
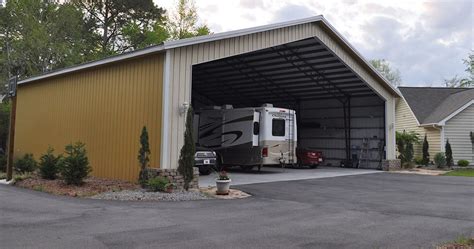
pixel 425 40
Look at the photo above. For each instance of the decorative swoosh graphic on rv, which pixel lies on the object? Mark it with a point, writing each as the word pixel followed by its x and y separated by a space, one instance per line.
pixel 238 134
pixel 246 118
pixel 212 131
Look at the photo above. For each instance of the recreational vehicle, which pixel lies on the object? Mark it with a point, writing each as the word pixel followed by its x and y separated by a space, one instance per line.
pixel 248 137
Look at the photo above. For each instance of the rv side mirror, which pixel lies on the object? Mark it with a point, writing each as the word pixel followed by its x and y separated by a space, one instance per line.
pixel 256 128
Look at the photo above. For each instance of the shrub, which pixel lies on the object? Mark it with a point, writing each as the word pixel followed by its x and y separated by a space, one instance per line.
pixel 440 160
pixel 186 157
pixel 426 155
pixel 74 166
pixel 408 165
pixel 418 161
pixel 449 154
pixel 143 156
pixel 3 163
pixel 405 141
pixel 158 183
pixel 463 163
pixel 25 164
pixel 49 165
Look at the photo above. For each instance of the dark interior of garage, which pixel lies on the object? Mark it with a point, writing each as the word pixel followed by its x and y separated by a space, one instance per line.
pixel 337 112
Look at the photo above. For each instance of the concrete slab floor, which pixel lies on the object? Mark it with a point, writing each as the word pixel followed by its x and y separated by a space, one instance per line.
pixel 274 174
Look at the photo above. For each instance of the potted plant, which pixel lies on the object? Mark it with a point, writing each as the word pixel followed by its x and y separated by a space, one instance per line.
pixel 169 187
pixel 223 183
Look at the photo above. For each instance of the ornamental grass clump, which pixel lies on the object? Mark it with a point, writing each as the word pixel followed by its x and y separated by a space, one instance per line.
pixel 440 160
pixel 158 183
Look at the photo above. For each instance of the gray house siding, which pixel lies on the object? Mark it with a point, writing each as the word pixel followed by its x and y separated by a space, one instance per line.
pixel 457 130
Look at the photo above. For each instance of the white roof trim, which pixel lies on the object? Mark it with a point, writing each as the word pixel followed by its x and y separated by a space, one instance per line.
pixel 241 32
pixel 120 57
pixel 443 122
pixel 409 108
pixel 209 38
pixel 360 56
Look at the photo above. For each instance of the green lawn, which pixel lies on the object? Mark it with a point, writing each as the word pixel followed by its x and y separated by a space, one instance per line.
pixel 461 172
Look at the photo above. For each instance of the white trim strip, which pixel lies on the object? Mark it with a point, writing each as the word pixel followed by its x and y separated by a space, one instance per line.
pixel 112 59
pixel 241 32
pixel 443 122
pixel 164 161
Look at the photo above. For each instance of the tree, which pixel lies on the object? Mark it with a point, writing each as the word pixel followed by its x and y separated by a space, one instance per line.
pixel 384 68
pixel 144 156
pixel 469 62
pixel 74 166
pixel 405 141
pixel 4 124
pixel 449 154
pixel 186 157
pixel 183 23
pixel 39 36
pixel 468 81
pixel 117 20
pixel 426 154
pixel 48 165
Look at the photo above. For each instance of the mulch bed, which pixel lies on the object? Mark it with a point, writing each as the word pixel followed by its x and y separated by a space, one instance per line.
pixel 91 186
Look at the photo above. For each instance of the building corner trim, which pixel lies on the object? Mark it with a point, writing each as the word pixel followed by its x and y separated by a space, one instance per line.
pixel 164 160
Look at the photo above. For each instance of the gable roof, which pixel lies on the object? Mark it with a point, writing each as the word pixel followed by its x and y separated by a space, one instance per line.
pixel 220 36
pixel 431 105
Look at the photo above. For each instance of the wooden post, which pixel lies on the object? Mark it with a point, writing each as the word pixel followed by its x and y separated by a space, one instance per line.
pixel 11 139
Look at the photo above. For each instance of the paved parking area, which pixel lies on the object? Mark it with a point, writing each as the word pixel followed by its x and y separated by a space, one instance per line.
pixel 273 174
pixel 385 210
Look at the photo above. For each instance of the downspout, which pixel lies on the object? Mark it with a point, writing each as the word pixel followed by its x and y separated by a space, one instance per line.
pixel 441 131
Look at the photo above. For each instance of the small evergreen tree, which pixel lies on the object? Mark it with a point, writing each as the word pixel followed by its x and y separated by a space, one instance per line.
pixel 143 156
pixel 186 157
pixel 426 154
pixel 449 154
pixel 49 165
pixel 74 166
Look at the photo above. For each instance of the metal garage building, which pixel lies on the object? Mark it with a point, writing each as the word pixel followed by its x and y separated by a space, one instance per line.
pixel 342 103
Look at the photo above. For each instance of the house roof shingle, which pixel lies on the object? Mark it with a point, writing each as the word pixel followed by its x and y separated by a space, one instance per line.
pixel 433 104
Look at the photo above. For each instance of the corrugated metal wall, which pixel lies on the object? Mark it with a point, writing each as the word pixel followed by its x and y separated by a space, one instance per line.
pixel 406 121
pixel 182 59
pixel 321 127
pixel 105 108
pixel 457 131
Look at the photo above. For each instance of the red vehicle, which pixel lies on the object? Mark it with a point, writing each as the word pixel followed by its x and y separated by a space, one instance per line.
pixel 308 157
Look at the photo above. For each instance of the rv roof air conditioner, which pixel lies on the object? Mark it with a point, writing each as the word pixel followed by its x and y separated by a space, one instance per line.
pixel 227 107
pixel 267 105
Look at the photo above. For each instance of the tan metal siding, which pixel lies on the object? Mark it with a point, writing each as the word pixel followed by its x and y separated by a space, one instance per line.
pixel 407 121
pixel 105 108
pixel 180 74
pixel 457 130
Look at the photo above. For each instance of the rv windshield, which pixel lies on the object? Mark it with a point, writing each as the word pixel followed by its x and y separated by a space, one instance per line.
pixel 278 127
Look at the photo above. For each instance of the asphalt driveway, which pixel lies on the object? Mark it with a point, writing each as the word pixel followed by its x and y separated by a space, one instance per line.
pixel 380 210
pixel 276 174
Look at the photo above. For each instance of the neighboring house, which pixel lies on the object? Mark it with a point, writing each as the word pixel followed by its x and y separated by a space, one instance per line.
pixel 440 114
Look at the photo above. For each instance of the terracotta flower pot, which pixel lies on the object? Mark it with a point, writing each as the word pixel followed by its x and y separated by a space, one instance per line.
pixel 223 186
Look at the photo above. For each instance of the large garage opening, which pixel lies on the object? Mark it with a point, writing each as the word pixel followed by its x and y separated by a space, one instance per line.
pixel 337 112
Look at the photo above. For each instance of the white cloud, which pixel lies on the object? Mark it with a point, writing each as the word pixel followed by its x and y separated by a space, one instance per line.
pixel 425 40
